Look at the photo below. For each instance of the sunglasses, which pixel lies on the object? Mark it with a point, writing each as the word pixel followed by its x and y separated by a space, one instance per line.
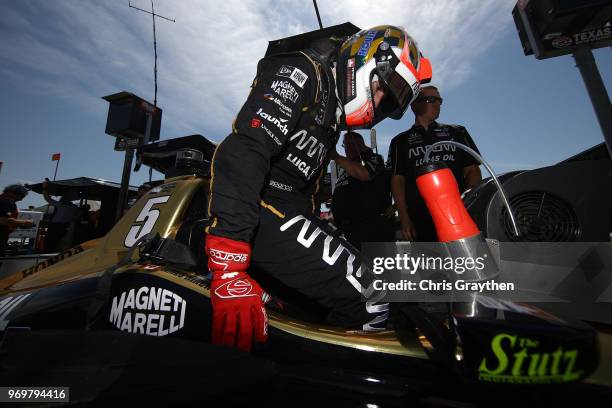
pixel 429 99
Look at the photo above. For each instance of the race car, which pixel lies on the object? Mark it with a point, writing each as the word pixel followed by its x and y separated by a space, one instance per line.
pixel 128 317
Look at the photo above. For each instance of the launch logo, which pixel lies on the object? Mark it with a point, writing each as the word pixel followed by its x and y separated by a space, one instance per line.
pixel 281 124
pixel 148 310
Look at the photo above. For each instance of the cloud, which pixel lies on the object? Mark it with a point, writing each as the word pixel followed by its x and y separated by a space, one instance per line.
pixel 451 33
pixel 80 51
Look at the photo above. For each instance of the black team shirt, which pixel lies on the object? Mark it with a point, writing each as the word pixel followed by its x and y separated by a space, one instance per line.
pixel 355 200
pixel 407 152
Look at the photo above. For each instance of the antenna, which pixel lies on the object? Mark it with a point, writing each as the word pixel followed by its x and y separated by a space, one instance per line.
pixel 318 15
pixel 153 15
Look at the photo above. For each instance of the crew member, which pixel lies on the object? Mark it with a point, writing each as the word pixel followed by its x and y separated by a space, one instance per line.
pixel 142 190
pixel 63 221
pixel 266 171
pixel 361 195
pixel 9 215
pixel 407 152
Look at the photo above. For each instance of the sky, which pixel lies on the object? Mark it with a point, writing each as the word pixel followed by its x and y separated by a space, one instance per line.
pixel 58 58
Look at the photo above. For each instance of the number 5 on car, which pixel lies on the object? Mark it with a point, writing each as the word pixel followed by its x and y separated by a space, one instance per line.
pixel 145 220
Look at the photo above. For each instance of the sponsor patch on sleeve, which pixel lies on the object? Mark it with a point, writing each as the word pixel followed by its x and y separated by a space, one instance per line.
pixel 299 77
pixel 285 70
pixel 295 74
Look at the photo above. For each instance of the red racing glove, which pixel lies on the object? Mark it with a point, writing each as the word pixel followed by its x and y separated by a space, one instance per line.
pixel 237 300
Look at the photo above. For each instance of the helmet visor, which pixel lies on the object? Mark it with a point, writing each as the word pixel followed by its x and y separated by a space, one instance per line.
pixel 398 95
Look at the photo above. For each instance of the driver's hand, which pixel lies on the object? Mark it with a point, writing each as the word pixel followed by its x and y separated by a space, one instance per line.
pixel 239 314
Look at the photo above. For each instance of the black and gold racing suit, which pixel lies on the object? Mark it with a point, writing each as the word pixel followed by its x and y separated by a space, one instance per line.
pixel 264 175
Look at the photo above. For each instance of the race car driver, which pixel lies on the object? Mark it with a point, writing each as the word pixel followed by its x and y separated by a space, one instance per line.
pixel 264 175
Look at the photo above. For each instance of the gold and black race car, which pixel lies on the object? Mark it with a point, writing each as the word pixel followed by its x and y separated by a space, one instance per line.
pixel 127 317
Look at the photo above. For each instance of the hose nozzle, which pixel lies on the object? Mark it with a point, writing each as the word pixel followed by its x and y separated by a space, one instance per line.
pixel 439 189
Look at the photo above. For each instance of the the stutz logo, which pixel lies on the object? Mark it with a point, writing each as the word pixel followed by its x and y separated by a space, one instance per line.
pixel 148 310
pixel 520 360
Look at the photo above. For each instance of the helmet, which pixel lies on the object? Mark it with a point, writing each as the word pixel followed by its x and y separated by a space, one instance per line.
pixel 386 54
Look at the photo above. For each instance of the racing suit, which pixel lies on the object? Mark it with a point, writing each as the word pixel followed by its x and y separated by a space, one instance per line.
pixel 264 176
